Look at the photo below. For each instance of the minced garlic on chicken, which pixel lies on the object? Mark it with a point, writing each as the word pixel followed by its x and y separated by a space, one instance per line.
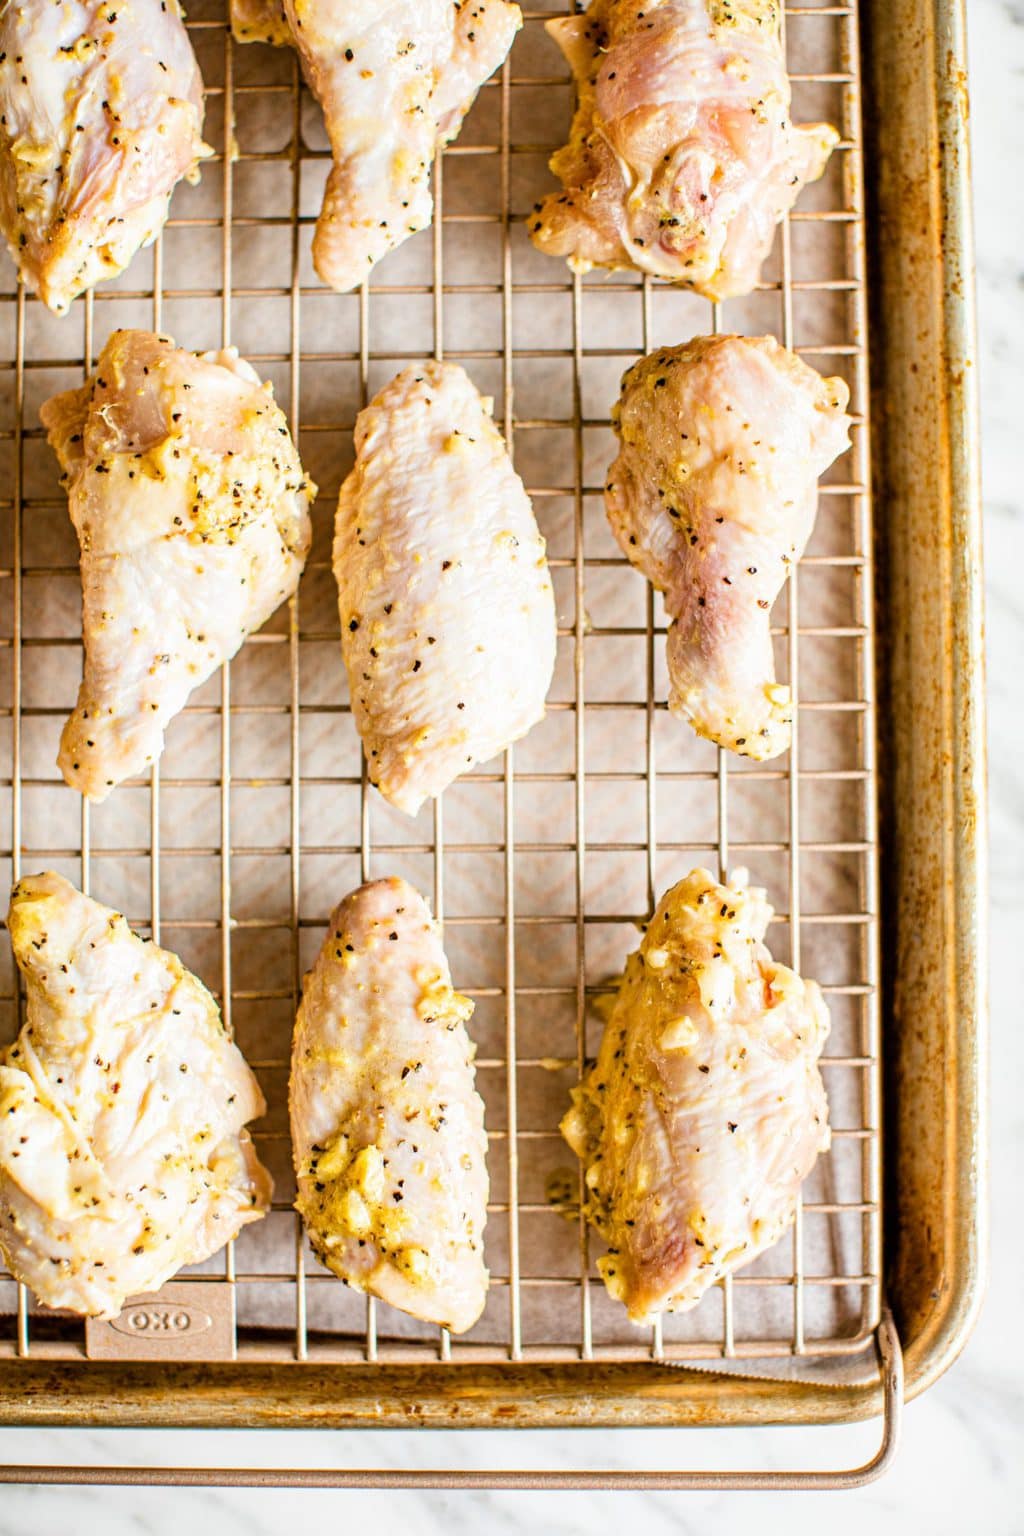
pixel 192 512
pixel 705 1110
pixel 395 78
pixel 123 1106
pixel 387 1126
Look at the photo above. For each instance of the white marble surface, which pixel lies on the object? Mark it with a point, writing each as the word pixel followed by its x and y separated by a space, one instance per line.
pixel 962 1460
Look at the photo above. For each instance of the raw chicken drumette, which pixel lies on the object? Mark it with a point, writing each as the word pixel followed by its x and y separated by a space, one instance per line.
pixel 447 612
pixel 191 511
pixel 123 1102
pixel 682 157
pixel 101 115
pixel 387 1127
pixel 395 78
pixel 713 497
pixel 705 1111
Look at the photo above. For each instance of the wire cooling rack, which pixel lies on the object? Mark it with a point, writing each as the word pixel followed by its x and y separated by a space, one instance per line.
pixel 259 816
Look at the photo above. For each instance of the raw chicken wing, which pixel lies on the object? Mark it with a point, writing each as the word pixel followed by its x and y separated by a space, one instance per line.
pixel 260 21
pixel 395 79
pixel 123 1102
pixel 682 157
pixel 387 1127
pixel 705 1111
pixel 101 115
pixel 713 496
pixel 447 612
pixel 191 511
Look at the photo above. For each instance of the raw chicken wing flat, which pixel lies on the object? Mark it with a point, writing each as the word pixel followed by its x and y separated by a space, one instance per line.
pixel 123 1102
pixel 101 115
pixel 191 509
pixel 447 611
pixel 395 79
pixel 683 156
pixel 713 497
pixel 387 1126
pixel 706 1110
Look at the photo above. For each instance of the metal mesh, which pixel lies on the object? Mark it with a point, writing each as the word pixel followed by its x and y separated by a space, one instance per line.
pixel 259 817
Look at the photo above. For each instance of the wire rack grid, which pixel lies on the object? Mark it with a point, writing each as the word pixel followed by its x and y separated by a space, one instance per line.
pixel 259 816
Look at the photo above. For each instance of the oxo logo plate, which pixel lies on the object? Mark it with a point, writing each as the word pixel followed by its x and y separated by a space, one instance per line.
pixel 186 1320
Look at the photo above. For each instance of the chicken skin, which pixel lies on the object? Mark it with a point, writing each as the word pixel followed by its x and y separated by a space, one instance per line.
pixel 101 115
pixel 395 78
pixel 447 611
pixel 682 157
pixel 387 1127
pixel 191 510
pixel 713 497
pixel 123 1102
pixel 706 1110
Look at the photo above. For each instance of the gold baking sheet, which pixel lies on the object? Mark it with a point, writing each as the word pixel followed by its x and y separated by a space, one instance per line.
pixel 259 818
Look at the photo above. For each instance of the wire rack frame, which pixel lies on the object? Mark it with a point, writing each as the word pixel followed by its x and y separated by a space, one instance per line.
pixel 513 1143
